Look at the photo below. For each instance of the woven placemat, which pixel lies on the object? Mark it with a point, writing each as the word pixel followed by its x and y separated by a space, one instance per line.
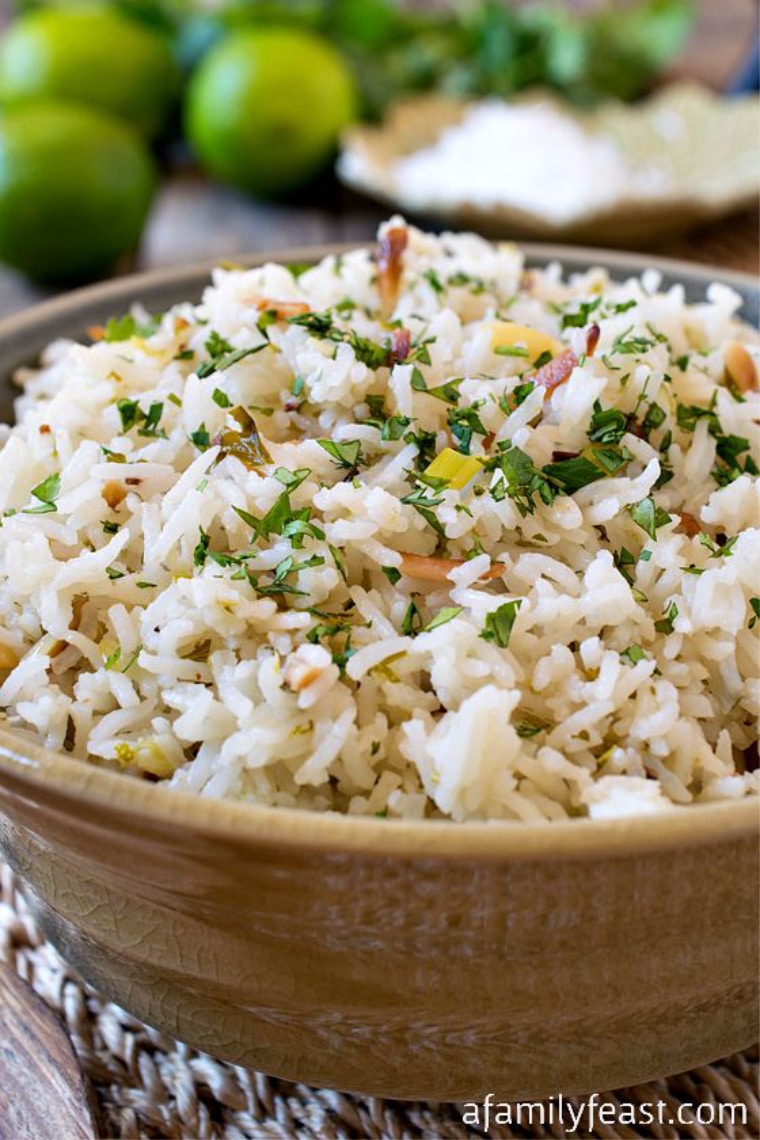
pixel 148 1085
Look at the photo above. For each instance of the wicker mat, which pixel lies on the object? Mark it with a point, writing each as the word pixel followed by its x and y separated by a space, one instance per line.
pixel 148 1085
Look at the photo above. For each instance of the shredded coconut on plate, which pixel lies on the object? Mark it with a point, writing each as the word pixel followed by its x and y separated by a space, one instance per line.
pixel 529 156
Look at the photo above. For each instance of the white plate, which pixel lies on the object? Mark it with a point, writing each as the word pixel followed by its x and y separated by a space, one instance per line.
pixel 707 145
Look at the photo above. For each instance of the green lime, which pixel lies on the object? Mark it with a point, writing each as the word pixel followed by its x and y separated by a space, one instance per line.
pixel 266 107
pixel 75 189
pixel 90 55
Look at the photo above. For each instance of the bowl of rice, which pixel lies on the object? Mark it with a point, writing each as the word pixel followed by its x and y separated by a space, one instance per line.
pixel 379 659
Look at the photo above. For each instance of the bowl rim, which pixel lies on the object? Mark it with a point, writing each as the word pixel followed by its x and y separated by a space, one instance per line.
pixel 66 785
pixel 29 771
pixel 126 289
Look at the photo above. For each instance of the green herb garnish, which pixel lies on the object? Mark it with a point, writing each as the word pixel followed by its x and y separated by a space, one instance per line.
pixel 649 516
pixel 500 622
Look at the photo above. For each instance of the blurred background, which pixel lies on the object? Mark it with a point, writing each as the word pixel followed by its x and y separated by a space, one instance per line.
pixel 139 133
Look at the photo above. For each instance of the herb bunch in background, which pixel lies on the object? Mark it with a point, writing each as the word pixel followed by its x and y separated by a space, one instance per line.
pixel 481 47
pixel 261 91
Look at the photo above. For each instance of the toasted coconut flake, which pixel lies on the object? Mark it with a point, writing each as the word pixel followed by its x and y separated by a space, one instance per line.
pixel 429 569
pixel 114 493
pixel 741 370
pixel 283 309
pixel 401 342
pixel 690 525
pixel 556 372
pixel 390 266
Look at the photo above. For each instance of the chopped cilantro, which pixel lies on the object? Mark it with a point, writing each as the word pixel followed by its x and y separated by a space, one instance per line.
pixel 46 492
pixel 580 318
pixel 216 345
pixel 443 616
pixel 412 620
pixel 151 420
pixel 649 516
pixel 132 659
pixel 448 392
pixel 755 603
pixel 392 574
pixel 633 654
pixel 339 560
pixel 511 350
pixel 298 529
pixel 625 344
pixel 200 438
pixel 122 328
pixel 500 622
pixel 522 478
pixel 201 550
pixel 245 445
pixel 718 550
pixel 291 479
pixel 221 399
pixel 688 415
pixel 728 448
pixel 129 411
pixel 593 463
pixel 390 427
pixel 527 728
pixel 222 357
pixel 420 352
pixel 510 401
pixel 654 418
pixel 464 423
pixel 608 425
pixel 665 623
pixel 433 281
pixel 423 505
pixel 622 560
pixel 425 442
pixel 346 455
pixel 394 427
pixel 322 325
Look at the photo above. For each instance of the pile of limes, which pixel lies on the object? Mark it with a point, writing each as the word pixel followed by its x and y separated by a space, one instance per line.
pixel 86 93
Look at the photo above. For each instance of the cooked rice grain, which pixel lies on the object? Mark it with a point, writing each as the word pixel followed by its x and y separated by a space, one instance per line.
pixel 221 551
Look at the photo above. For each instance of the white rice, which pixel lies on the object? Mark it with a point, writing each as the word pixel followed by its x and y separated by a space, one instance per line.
pixel 618 673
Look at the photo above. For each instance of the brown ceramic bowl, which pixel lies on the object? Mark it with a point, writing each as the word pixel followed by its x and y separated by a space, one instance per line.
pixel 432 960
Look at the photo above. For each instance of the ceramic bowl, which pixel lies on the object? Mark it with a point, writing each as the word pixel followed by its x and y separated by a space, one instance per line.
pixel 706 144
pixel 415 960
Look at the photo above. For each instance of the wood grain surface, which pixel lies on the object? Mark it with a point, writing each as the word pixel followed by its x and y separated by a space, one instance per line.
pixel 43 1095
